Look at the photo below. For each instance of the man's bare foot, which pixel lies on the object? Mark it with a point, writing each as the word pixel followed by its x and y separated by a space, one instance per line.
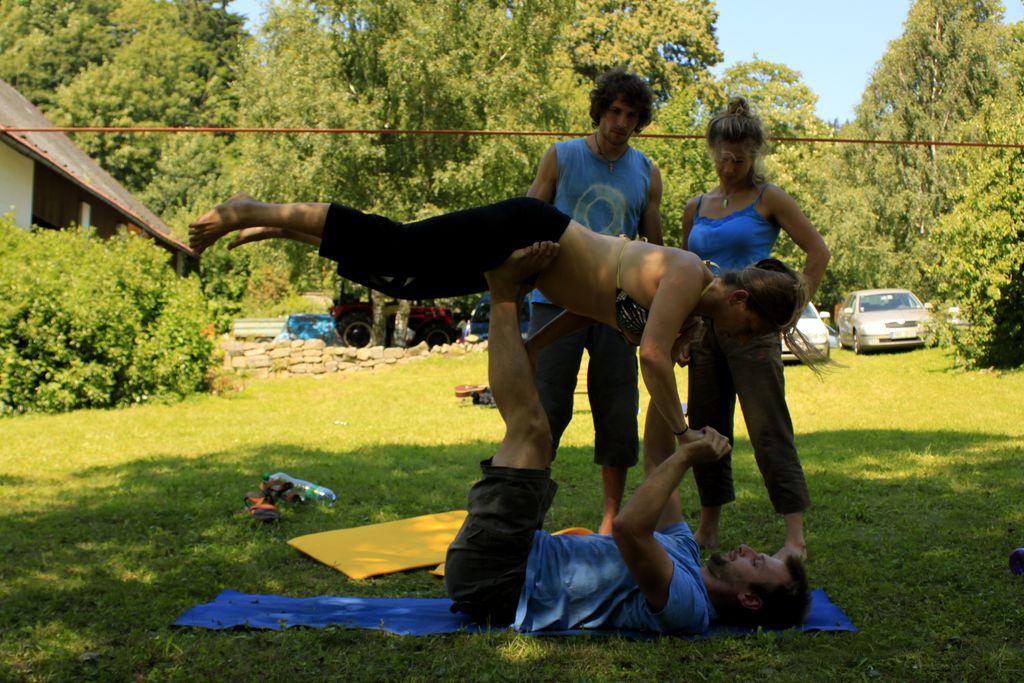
pixel 606 526
pixel 219 221
pixel 520 265
pixel 787 550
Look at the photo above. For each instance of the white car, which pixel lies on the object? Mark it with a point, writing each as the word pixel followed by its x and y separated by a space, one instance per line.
pixel 812 325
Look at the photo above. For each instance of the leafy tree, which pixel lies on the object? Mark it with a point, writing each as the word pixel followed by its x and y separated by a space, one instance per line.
pixel 159 75
pixel 927 86
pixel 671 42
pixel 442 64
pixel 45 44
pixel 776 92
pixel 980 243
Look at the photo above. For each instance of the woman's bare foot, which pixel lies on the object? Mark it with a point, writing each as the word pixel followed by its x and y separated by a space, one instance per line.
pixel 219 221
pixel 247 235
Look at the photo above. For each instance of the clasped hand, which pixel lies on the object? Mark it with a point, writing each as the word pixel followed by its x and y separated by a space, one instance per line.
pixel 705 445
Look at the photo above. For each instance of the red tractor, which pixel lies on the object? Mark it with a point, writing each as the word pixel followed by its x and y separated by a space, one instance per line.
pixel 354 321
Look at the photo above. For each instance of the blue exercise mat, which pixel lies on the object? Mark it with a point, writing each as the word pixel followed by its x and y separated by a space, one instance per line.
pixel 412 616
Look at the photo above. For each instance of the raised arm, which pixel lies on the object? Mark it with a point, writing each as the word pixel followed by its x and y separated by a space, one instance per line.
pixel 634 527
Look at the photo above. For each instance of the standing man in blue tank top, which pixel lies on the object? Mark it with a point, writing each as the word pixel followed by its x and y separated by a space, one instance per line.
pixel 734 225
pixel 611 188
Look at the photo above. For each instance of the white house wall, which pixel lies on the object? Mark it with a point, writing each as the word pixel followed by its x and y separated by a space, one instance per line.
pixel 16 185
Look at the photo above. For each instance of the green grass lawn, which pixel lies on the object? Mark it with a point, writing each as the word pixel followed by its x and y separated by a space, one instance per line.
pixel 116 522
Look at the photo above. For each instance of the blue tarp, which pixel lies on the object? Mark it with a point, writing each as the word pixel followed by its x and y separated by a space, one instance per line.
pixel 310 326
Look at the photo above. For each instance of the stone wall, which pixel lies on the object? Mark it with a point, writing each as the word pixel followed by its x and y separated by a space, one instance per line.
pixel 313 357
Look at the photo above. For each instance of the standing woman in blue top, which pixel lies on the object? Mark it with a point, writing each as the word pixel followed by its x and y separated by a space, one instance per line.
pixel 734 225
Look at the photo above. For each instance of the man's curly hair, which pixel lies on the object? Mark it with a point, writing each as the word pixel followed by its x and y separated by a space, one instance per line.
pixel 620 83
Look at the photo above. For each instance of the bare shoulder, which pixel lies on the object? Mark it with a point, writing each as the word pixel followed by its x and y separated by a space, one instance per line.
pixel 689 260
pixel 550 157
pixel 774 195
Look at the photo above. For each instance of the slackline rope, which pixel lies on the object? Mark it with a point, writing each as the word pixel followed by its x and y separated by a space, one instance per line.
pixel 507 133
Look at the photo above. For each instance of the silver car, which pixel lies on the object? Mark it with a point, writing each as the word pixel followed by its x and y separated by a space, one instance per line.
pixel 871 319
pixel 812 325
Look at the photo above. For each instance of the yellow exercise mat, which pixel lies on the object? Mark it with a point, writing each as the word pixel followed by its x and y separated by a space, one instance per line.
pixel 384 548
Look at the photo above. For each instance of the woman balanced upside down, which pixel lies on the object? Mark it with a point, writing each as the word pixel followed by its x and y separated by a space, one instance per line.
pixel 653 295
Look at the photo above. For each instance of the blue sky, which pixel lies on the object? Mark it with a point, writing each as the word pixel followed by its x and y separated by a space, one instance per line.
pixel 834 44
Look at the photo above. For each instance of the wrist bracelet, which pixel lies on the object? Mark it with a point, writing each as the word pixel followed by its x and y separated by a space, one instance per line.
pixel 685 429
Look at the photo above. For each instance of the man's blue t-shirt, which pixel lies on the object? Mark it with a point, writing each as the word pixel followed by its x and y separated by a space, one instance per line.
pixel 582 582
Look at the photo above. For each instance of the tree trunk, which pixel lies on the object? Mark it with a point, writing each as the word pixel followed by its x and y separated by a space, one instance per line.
pixel 400 336
pixel 379 333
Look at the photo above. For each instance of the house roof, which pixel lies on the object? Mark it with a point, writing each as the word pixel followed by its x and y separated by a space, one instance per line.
pixel 60 154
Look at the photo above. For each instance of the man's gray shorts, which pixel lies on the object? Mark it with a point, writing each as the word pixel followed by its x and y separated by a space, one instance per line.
pixel 486 563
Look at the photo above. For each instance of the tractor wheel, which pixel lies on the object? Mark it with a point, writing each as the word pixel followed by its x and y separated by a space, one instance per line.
pixel 355 329
pixel 435 334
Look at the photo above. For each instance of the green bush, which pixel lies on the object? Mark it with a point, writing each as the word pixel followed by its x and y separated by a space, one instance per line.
pixel 89 323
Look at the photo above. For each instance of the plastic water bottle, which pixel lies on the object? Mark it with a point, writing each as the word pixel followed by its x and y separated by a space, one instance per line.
pixel 307 489
pixel 1017 562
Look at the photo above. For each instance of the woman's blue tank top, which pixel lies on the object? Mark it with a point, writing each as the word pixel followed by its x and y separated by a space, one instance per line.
pixel 734 241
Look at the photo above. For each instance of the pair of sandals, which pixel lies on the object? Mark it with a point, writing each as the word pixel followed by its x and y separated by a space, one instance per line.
pixel 262 505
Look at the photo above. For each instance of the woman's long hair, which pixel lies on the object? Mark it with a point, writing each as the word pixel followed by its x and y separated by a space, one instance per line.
pixel 778 295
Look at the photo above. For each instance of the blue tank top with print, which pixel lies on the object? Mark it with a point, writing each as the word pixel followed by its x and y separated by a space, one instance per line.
pixel 734 241
pixel 610 203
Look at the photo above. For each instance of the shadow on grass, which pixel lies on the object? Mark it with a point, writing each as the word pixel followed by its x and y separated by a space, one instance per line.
pixel 906 527
pixel 922 518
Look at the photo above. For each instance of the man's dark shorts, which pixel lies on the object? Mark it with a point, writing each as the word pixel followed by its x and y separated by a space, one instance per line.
pixel 486 563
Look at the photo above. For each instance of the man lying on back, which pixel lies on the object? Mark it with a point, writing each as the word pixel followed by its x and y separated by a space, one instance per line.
pixel 501 568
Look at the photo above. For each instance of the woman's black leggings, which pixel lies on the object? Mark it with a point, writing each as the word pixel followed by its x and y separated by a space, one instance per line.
pixel 437 257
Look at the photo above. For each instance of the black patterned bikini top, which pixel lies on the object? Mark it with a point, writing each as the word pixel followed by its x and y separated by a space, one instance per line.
pixel 631 317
